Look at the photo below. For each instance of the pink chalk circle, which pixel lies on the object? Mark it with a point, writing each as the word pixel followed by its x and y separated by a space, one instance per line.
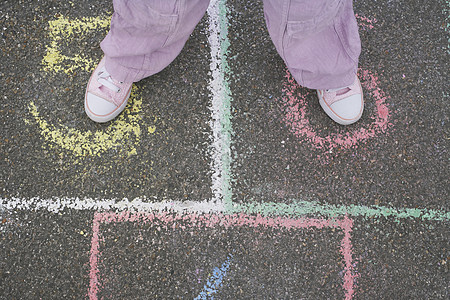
pixel 295 105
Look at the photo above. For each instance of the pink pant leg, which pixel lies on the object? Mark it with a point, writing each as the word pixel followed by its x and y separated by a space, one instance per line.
pixel 147 35
pixel 317 39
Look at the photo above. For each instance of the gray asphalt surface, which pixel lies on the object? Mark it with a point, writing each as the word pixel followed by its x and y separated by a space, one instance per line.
pixel 50 254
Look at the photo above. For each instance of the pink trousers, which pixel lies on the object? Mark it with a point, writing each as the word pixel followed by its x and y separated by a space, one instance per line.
pixel 317 39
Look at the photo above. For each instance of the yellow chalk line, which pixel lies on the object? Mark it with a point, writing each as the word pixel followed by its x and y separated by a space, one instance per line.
pixel 63 29
pixel 124 129
pixel 123 132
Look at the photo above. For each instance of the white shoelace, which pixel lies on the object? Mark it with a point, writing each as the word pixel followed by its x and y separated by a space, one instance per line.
pixel 105 79
pixel 339 91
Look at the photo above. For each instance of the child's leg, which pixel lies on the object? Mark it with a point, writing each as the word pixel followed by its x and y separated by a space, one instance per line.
pixel 319 42
pixel 147 35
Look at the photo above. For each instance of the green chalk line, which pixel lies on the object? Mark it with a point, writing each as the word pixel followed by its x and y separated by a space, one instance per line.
pixel 301 208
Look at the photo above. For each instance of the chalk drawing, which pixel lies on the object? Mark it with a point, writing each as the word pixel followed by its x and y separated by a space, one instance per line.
pixel 295 105
pixel 222 130
pixel 169 220
pixel 122 134
pixel 198 273
pixel 211 213
pixel 215 280
pixel 221 103
pixel 365 23
pixel 63 29
pixel 297 208
pixel 302 208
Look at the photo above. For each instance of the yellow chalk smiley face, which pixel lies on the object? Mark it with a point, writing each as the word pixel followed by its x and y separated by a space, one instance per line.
pixel 123 133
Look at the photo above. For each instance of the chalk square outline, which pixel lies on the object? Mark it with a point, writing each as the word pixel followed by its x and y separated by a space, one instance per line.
pixel 169 219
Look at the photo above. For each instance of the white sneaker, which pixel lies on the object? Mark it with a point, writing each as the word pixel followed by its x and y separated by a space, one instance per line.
pixel 105 97
pixel 344 105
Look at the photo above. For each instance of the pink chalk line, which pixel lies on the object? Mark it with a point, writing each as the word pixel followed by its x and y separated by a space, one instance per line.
pixel 296 104
pixel 170 220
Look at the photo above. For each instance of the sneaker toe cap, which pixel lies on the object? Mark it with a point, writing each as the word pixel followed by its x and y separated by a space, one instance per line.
pixel 350 108
pixel 99 106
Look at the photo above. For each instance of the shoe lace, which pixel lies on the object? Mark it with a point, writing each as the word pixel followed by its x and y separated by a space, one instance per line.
pixel 106 80
pixel 340 91
pixel 333 95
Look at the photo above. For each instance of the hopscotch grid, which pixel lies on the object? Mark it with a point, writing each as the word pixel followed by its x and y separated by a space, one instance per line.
pixel 220 125
pixel 221 204
pixel 295 209
pixel 221 161
pixel 169 220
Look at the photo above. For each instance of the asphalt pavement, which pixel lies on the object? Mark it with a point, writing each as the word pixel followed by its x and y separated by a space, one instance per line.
pixel 223 178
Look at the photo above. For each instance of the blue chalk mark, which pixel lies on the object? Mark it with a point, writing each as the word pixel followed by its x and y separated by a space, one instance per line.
pixel 215 280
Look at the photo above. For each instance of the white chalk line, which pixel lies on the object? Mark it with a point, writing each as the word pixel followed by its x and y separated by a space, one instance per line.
pixel 57 205
pixel 217 90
